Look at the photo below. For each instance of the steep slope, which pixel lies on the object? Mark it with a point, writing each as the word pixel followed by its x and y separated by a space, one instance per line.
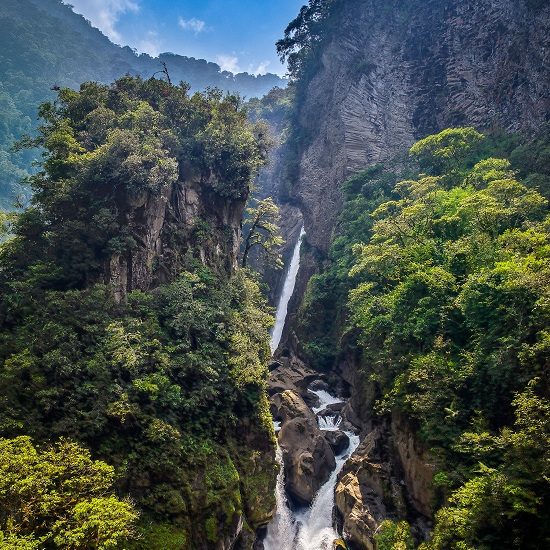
pixel 143 342
pixel 390 72
pixel 43 43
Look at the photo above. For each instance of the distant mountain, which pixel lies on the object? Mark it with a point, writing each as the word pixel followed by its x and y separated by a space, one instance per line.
pixel 43 43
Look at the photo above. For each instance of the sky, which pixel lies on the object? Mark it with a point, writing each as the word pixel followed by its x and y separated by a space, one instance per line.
pixel 239 35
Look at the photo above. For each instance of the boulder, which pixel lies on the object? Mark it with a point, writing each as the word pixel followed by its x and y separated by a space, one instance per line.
pixel 289 373
pixel 288 405
pixel 308 458
pixel 337 440
pixel 367 493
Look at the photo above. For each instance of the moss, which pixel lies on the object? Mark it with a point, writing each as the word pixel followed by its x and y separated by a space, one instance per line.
pixel 211 528
pixel 161 535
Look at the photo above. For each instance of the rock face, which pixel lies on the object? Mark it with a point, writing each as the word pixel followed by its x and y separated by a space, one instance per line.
pixel 289 373
pixel 397 70
pixel 308 457
pixel 368 492
pixel 185 217
pixel 390 475
pixel 416 465
pixel 337 440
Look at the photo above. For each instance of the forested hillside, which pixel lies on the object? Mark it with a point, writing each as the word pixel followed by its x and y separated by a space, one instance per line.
pixel 44 44
pixel 127 330
pixel 439 279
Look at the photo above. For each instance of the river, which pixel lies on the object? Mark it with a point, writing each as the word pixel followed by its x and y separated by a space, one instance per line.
pixel 308 528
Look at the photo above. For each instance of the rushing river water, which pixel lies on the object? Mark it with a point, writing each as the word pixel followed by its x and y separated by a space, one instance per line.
pixel 309 528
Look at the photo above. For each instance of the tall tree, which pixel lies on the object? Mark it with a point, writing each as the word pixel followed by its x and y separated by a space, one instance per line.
pixel 263 231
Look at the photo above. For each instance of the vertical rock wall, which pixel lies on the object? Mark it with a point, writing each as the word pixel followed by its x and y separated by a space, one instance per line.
pixel 397 70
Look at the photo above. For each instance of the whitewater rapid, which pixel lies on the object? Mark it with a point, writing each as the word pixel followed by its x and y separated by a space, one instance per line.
pixel 309 528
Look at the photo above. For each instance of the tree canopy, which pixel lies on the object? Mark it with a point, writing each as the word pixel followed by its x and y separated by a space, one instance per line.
pixel 439 279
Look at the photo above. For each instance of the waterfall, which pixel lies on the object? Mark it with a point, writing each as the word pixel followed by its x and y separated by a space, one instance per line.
pixel 325 399
pixel 311 528
pixel 329 423
pixel 281 531
pixel 286 294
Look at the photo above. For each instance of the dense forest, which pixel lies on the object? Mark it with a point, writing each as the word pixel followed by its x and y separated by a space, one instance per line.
pixel 44 44
pixel 159 382
pixel 392 201
pixel 439 279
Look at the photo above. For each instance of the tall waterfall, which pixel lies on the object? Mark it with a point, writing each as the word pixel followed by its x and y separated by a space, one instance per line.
pixel 310 528
pixel 286 294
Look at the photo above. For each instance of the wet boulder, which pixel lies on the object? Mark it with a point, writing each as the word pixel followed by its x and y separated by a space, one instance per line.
pixel 337 440
pixel 308 458
pixel 307 455
pixel 288 405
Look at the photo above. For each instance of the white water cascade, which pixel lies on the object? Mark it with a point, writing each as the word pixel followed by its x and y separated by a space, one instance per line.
pixel 315 530
pixel 310 528
pixel 286 294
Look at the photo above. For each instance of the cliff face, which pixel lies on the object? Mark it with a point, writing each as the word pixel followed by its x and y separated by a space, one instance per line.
pixel 186 217
pixel 398 70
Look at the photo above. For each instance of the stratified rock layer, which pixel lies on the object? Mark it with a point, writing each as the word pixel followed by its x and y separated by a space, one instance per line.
pixel 397 70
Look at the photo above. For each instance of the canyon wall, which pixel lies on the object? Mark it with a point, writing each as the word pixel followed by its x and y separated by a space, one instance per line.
pixel 389 73
pixel 395 71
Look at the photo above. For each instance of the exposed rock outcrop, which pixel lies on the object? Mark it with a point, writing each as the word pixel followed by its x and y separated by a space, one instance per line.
pixel 397 70
pixel 307 456
pixel 337 440
pixel 368 492
pixel 289 373
pixel 187 216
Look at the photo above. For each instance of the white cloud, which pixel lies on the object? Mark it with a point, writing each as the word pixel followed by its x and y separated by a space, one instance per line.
pixel 260 69
pixel 228 63
pixel 150 44
pixel 193 24
pixel 104 14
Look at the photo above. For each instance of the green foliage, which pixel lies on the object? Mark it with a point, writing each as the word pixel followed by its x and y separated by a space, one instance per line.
pixel 439 284
pixel 66 52
pixel 160 535
pixel 108 147
pixel 503 505
pixel 324 307
pixel 446 151
pixel 262 230
pixel 305 34
pixel 59 496
pixel 159 385
pixel 394 536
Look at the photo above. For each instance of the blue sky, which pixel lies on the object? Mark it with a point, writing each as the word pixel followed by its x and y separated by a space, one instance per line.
pixel 239 35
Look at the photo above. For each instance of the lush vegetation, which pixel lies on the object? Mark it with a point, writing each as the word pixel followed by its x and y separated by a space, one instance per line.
pixel 262 232
pixel 44 44
pixel 59 497
pixel 306 34
pixel 157 383
pixel 439 279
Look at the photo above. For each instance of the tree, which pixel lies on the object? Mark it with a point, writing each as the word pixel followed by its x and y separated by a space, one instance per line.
pixel 305 33
pixel 447 150
pixel 262 221
pixel 59 496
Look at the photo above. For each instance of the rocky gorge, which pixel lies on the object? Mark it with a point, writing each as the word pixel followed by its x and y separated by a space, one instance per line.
pixel 392 72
